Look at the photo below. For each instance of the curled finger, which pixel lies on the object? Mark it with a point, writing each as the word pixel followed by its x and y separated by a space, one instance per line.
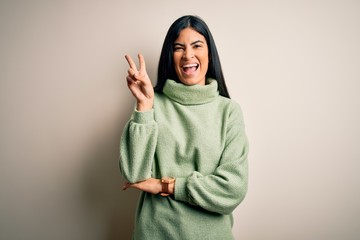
pixel 133 74
pixel 126 185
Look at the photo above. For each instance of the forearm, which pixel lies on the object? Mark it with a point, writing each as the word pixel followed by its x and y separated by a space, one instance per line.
pixel 220 192
pixel 137 146
pixel 150 185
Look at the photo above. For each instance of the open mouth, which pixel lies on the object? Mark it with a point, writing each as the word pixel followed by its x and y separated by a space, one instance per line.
pixel 190 68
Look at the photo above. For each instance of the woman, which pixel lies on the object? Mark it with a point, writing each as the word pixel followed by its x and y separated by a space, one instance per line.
pixel 185 146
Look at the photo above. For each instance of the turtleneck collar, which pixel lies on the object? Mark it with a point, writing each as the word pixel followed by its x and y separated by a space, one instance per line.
pixel 191 95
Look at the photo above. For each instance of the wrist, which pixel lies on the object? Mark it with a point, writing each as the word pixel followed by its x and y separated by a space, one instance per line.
pixel 142 107
pixel 167 186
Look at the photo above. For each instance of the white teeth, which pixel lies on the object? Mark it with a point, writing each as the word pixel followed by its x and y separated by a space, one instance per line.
pixel 190 65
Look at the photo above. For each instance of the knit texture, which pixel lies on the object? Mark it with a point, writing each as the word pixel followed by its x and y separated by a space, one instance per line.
pixel 198 137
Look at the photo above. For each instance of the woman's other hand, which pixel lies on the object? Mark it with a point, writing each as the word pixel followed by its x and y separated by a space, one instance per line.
pixel 150 185
pixel 140 84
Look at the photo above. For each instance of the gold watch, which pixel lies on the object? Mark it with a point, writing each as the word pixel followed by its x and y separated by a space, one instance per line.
pixel 165 181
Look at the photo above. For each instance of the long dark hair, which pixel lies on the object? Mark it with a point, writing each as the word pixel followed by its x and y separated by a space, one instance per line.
pixel 166 69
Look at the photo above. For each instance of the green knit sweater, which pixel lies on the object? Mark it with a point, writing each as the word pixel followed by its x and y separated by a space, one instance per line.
pixel 198 137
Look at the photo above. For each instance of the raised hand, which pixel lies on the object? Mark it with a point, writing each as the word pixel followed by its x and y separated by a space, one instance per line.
pixel 140 84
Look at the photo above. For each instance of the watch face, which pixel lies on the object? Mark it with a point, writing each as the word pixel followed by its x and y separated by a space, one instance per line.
pixel 167 179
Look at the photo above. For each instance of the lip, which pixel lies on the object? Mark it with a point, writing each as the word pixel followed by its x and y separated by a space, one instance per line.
pixel 189 65
pixel 185 68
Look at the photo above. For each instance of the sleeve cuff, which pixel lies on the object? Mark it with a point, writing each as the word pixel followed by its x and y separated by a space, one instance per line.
pixel 144 117
pixel 180 189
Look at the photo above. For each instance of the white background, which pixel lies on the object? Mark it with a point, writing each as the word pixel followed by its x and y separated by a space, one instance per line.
pixel 294 67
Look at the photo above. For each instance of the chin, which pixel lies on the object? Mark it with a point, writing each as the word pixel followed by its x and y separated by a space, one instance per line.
pixel 188 83
pixel 191 81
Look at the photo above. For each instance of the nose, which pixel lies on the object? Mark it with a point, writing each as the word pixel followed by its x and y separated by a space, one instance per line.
pixel 188 53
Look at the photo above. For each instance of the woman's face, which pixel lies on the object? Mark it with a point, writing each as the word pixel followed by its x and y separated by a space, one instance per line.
pixel 191 57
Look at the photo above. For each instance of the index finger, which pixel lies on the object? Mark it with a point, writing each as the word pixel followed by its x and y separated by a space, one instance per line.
pixel 142 62
pixel 131 62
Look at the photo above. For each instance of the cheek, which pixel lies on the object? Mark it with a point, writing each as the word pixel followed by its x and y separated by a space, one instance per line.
pixel 205 57
pixel 176 60
pixel 205 61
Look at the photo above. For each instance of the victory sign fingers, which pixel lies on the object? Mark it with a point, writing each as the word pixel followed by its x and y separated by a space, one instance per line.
pixel 139 83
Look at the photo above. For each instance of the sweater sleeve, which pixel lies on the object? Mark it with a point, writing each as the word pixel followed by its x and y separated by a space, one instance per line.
pixel 137 146
pixel 224 189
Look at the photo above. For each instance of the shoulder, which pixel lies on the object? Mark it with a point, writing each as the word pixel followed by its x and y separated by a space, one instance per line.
pixel 230 105
pixel 232 109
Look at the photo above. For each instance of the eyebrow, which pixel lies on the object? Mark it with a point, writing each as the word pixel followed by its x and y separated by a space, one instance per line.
pixel 193 43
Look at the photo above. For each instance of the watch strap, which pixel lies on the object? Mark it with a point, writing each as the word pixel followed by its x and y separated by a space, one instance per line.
pixel 165 181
